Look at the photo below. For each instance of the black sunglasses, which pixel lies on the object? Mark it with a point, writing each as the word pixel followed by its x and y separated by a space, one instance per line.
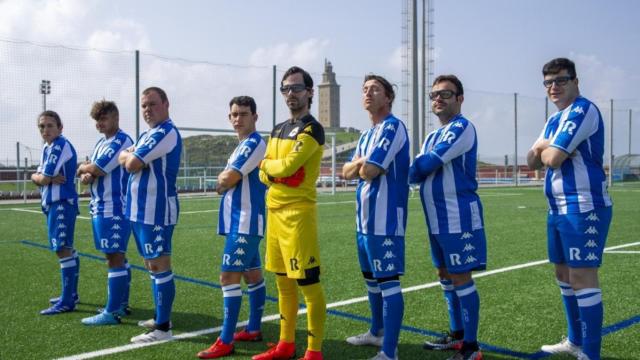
pixel 444 94
pixel 559 81
pixel 295 88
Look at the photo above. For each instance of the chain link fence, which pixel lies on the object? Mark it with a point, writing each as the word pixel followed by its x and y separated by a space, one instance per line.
pixel 199 91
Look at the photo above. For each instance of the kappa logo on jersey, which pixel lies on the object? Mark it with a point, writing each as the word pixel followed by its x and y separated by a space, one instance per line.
pixel 61 217
pixel 62 226
pixel 244 151
pixel 60 208
pixel 117 218
pixel 569 126
pixel 162 131
pixel 591 230
pixel 578 110
pixel 62 235
pixel 592 217
pixel 466 235
pixel 158 238
pixel 294 132
pixel 109 152
pixel 115 227
pixel 57 147
pixel 117 142
pixel 390 267
pixel 591 257
pixel 157 228
pixel 252 140
pixel 239 251
pixel 449 136
pixel 238 262
pixel 53 158
pixel 387 242
pixel 241 240
pixel 457 124
pixel 312 260
pixel 468 247
pixel 115 246
pixel 591 244
pixel 389 255
pixel 390 127
pixel 470 259
pixel 116 236
pixel 160 248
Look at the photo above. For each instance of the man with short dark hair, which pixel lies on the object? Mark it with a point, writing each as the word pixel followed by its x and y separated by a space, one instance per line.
pixel 152 205
pixel 290 169
pixel 241 220
pixel 381 165
pixel 445 168
pixel 55 177
pixel 111 231
pixel 571 146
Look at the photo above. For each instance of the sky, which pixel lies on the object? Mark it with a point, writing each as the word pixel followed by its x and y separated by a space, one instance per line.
pixel 205 52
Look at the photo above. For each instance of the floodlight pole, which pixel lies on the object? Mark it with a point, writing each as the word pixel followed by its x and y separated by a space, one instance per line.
pixel 630 117
pixel 611 145
pixel 45 89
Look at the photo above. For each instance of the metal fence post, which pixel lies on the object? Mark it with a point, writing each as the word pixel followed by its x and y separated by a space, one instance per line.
pixel 611 145
pixel 515 120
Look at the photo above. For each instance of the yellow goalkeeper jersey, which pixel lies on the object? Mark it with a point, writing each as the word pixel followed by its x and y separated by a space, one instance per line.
pixel 293 144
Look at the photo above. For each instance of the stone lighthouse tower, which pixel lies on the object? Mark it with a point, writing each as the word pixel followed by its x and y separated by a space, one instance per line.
pixel 329 105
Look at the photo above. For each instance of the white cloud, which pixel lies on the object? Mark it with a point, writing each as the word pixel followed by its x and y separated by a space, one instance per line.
pixel 603 81
pixel 306 54
pixel 121 34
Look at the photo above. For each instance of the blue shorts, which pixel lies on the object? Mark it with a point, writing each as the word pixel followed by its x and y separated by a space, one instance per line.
pixel 459 253
pixel 241 253
pixel 578 240
pixel 61 223
pixel 111 234
pixel 152 240
pixel 381 255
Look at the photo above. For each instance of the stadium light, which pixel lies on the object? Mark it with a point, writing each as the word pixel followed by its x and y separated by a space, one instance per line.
pixel 45 89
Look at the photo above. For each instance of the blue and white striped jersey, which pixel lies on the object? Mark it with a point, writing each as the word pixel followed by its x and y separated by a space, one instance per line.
pixel 59 157
pixel 579 185
pixel 446 169
pixel 108 192
pixel 242 207
pixel 151 192
pixel 381 204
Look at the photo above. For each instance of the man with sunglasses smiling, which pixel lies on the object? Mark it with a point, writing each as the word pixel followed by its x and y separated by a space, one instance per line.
pixel 445 170
pixel 290 169
pixel 571 146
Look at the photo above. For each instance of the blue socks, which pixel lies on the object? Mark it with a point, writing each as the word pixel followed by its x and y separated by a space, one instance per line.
pixel 591 314
pixel 257 298
pixel 392 312
pixel 470 310
pixel 571 312
pixel 453 305
pixel 164 293
pixel 117 284
pixel 375 303
pixel 232 300
pixel 125 295
pixel 69 274
pixel 74 254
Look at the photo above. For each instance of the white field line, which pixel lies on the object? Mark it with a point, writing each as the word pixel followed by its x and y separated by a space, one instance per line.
pixel 40 212
pixel 623 252
pixel 192 334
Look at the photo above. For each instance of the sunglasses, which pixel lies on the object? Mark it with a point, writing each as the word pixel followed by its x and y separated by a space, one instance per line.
pixel 559 81
pixel 444 94
pixel 295 88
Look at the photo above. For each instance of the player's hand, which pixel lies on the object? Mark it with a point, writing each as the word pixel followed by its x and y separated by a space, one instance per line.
pixel 59 179
pixel 540 145
pixel 292 181
pixel 86 178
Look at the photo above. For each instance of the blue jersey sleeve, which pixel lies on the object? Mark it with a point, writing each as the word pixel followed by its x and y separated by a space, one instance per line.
pixel 388 145
pixel 582 122
pixel 161 142
pixel 60 153
pixel 248 155
pixel 108 159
